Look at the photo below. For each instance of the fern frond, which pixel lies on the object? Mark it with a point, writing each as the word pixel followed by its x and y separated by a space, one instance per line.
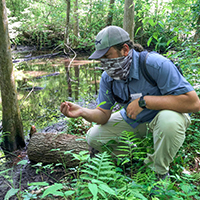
pixel 99 168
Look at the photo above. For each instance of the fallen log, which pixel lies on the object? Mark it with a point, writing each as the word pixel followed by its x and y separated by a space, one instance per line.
pixel 38 57
pixel 41 145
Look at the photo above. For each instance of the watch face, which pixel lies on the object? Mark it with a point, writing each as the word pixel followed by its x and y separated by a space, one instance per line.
pixel 142 103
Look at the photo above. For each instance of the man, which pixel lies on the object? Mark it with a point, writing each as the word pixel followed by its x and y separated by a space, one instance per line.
pixel 162 108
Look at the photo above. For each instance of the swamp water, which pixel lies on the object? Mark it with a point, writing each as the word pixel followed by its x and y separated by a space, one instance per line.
pixel 42 85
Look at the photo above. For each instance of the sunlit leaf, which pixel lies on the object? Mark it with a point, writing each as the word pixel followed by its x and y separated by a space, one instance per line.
pixel 69 193
pixel 22 162
pixel 137 30
pixel 161 24
pixel 53 189
pixel 149 41
pixel 102 103
pixel 107 189
pixel 152 23
pixel 93 189
pixel 10 193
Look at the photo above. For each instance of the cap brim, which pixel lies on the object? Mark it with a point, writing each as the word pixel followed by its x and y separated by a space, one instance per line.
pixel 99 53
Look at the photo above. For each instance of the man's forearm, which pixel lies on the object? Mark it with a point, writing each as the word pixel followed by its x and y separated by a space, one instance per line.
pixel 97 115
pixel 184 103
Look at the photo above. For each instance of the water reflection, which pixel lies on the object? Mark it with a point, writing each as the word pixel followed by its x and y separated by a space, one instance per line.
pixel 47 83
pixel 80 75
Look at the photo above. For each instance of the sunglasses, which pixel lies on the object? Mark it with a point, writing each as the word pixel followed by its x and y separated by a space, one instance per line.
pixel 117 98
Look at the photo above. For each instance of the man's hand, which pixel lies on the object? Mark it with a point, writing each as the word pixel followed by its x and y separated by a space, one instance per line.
pixel 133 109
pixel 183 103
pixel 70 109
pixel 97 115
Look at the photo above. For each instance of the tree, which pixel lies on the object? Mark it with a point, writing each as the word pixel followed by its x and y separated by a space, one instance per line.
pixel 110 13
pixel 197 34
pixel 12 125
pixel 76 24
pixel 197 16
pixel 66 39
pixel 128 23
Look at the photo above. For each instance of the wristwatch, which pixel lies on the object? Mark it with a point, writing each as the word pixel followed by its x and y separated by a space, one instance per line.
pixel 142 102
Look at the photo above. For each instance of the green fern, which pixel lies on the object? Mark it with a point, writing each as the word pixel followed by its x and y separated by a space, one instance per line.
pixel 97 174
pixel 130 145
pixel 131 149
pixel 100 168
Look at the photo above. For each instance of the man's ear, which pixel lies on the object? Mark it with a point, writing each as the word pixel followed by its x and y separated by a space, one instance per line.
pixel 125 49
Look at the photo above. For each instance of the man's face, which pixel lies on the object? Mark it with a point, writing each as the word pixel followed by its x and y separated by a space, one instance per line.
pixel 113 53
pixel 117 62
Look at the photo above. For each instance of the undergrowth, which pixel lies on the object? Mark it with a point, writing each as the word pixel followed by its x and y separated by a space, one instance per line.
pixel 122 177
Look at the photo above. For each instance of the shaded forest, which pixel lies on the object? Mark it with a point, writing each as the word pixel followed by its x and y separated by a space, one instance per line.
pixel 50 43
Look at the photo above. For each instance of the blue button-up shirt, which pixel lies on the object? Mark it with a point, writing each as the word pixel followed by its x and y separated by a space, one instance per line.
pixel 163 71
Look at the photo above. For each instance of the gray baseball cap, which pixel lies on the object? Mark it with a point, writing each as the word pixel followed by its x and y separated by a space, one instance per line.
pixel 108 37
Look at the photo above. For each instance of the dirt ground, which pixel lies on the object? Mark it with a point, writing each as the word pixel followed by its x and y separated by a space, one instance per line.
pixel 20 175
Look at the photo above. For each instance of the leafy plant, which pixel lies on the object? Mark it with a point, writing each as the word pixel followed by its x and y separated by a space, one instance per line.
pixel 97 174
pixel 77 126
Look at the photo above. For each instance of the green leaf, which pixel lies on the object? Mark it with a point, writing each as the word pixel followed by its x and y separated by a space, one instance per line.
pixel 137 30
pixel 149 41
pixel 107 189
pixel 175 38
pixel 161 24
pixel 155 35
pixel 5 171
pixel 102 103
pixel 76 156
pixel 68 152
pixel 152 23
pixel 69 193
pixel 52 189
pixel 176 29
pixel 10 193
pixel 168 42
pixel 38 184
pixel 186 188
pixel 168 7
pixel 55 149
pixel 22 162
pixel 93 189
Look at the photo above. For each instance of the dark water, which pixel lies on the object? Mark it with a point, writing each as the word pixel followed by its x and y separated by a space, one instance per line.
pixel 42 85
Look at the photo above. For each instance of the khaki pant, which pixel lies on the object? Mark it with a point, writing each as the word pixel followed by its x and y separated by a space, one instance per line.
pixel 168 129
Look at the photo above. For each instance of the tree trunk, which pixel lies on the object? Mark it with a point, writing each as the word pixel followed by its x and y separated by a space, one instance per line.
pixel 12 125
pixel 76 24
pixel 41 145
pixel 128 23
pixel 66 38
pixel 110 13
pixel 76 72
pixel 197 34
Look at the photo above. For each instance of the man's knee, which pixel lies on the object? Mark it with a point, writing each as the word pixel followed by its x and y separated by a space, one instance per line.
pixel 90 137
pixel 170 123
pixel 170 120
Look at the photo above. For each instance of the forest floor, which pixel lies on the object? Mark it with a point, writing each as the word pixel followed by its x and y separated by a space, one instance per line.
pixel 20 175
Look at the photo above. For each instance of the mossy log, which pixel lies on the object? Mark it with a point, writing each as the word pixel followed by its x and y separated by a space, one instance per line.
pixel 41 145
